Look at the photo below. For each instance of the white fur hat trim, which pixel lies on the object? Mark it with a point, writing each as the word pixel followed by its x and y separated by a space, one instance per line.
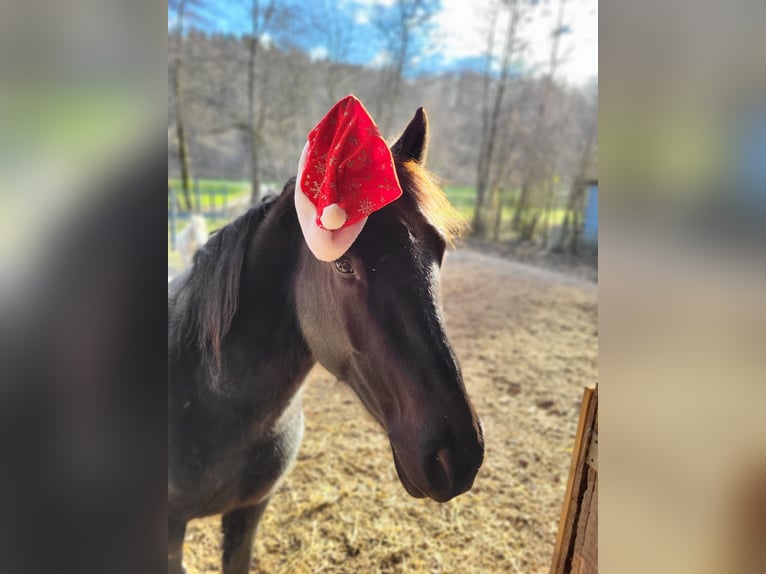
pixel 332 242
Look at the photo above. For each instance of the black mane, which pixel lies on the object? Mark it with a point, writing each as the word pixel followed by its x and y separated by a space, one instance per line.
pixel 211 291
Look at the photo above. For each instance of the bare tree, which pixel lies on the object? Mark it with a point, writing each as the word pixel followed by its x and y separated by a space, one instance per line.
pixel 290 93
pixel 492 105
pixel 543 160
pixel 182 10
pixel 339 40
pixel 399 26
pixel 506 174
pixel 568 237
pixel 260 20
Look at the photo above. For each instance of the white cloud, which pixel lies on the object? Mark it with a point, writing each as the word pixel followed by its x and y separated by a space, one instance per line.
pixel 365 9
pixel 318 53
pixel 462 29
pixel 381 59
pixel 385 3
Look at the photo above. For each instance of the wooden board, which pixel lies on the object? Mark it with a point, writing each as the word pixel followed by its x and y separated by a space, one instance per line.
pixel 576 550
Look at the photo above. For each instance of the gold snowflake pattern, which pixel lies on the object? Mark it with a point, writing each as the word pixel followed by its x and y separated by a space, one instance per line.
pixel 366 207
pixel 362 160
pixel 315 189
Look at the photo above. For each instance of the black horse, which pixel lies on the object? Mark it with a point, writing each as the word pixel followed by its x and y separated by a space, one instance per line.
pixel 257 310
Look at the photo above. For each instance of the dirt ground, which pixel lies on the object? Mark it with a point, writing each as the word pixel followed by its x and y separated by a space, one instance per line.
pixel 527 342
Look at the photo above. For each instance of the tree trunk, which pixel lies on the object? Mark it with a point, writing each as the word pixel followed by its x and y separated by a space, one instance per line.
pixel 255 177
pixel 183 149
pixel 547 207
pixel 521 206
pixel 392 81
pixel 489 129
pixel 183 158
pixel 558 247
pixel 528 226
pixel 542 167
pixel 574 241
pixel 576 192
pixel 498 213
pixel 260 22
pixel 477 223
pixel 255 188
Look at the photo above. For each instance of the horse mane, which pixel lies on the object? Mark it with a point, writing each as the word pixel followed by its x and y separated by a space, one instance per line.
pixel 212 288
pixel 424 188
pixel 211 291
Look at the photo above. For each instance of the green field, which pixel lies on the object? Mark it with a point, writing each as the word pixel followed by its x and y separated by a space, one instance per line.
pixel 462 197
pixel 217 185
pixel 237 191
pixel 464 200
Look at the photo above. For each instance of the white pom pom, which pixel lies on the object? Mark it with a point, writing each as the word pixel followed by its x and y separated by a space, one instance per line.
pixel 333 217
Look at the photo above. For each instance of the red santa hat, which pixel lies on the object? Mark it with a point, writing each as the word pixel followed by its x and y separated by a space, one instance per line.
pixel 346 172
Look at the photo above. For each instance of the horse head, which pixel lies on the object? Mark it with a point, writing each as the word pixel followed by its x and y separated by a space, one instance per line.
pixel 372 317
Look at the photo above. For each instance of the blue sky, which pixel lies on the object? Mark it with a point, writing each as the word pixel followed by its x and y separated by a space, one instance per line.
pixel 457 38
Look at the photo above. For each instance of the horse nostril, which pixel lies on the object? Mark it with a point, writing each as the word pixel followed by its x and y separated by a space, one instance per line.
pixel 441 475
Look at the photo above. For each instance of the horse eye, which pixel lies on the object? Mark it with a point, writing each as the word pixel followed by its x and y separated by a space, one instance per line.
pixel 343 265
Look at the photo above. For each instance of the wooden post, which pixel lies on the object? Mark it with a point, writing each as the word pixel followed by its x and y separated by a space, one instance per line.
pixel 576 550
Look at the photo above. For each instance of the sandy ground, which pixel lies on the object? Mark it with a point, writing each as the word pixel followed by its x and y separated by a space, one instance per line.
pixel 527 341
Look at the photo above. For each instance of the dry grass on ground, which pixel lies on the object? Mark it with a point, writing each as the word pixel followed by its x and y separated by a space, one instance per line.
pixel 527 342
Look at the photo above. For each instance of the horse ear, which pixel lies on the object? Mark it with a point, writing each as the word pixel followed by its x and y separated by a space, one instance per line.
pixel 413 143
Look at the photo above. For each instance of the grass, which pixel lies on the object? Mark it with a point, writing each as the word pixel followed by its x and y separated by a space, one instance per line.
pixel 207 202
pixel 238 191
pixel 463 198
pixel 216 185
pixel 217 188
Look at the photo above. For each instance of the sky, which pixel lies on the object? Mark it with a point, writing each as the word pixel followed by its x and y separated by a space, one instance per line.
pixel 456 39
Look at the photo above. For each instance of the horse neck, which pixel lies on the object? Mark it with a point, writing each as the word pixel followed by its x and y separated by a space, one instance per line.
pixel 265 350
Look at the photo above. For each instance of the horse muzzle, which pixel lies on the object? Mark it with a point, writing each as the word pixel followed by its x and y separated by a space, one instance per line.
pixel 443 468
